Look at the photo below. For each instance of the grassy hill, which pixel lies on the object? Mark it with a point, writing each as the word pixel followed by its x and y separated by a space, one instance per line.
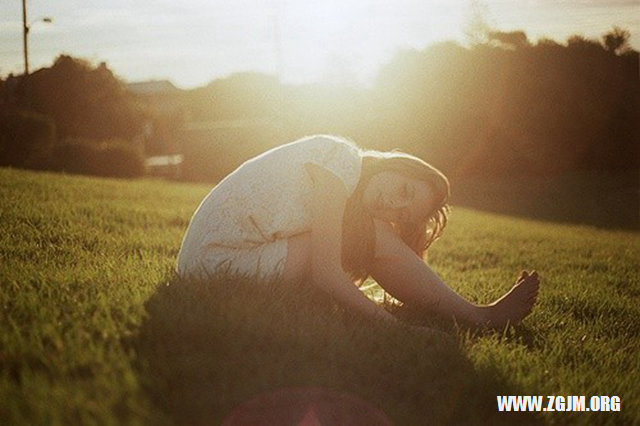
pixel 90 332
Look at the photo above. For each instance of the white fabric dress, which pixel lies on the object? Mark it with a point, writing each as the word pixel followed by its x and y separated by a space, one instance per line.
pixel 242 226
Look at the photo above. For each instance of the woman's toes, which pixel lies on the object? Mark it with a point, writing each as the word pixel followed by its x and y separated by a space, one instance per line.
pixel 534 280
pixel 527 284
pixel 523 276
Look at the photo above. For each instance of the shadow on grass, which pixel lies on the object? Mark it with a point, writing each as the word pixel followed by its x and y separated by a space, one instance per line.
pixel 604 200
pixel 205 348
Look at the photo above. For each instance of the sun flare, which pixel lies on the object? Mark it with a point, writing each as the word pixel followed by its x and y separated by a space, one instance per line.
pixel 340 42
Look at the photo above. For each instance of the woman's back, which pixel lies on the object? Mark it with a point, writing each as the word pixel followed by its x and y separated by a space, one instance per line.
pixel 267 198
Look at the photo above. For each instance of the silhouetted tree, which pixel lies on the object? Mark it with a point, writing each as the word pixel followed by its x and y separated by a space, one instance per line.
pixel 83 100
pixel 616 41
pixel 546 108
pixel 501 108
pixel 509 39
pixel 584 44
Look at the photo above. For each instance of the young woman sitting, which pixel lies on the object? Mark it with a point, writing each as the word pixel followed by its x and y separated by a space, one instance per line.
pixel 322 210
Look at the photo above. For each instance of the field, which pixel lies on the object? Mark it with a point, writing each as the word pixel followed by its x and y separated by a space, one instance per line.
pixel 95 329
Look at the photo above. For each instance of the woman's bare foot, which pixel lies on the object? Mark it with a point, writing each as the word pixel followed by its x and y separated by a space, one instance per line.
pixel 511 308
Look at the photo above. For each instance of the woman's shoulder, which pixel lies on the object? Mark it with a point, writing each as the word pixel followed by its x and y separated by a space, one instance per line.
pixel 287 165
pixel 310 148
pixel 338 155
pixel 325 143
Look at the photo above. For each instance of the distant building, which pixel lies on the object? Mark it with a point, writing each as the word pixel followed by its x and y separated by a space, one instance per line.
pixel 166 104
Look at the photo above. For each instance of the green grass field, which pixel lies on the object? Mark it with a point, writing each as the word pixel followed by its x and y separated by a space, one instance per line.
pixel 92 334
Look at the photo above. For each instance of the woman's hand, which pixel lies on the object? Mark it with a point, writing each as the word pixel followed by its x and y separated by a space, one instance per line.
pixel 329 201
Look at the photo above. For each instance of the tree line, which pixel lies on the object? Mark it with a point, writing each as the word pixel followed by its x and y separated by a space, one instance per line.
pixel 73 117
pixel 500 107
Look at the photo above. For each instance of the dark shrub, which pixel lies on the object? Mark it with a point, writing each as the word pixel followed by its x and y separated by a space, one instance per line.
pixel 74 157
pixel 26 138
pixel 91 159
pixel 120 161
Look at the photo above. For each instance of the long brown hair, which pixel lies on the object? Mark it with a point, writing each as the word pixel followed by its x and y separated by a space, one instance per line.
pixel 358 232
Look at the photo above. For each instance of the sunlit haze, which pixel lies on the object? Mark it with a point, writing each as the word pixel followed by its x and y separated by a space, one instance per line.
pixel 339 41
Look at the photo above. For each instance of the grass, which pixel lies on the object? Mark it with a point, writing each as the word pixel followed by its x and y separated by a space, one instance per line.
pixel 91 332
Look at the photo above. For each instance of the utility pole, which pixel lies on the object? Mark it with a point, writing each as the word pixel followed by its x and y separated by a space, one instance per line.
pixel 25 32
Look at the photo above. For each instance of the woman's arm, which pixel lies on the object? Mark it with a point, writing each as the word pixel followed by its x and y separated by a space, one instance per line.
pixel 329 200
pixel 409 279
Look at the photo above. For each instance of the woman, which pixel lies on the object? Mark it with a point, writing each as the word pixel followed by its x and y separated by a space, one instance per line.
pixel 320 209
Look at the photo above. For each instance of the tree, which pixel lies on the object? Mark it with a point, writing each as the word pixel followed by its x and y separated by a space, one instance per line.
pixel 510 39
pixel 583 44
pixel 85 101
pixel 616 40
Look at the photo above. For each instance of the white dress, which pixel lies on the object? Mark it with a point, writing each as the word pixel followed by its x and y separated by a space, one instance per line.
pixel 242 226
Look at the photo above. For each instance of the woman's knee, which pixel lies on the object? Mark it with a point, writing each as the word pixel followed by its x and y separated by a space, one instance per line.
pixel 388 242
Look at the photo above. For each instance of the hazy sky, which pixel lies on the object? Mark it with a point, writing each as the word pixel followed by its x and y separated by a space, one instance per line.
pixel 193 42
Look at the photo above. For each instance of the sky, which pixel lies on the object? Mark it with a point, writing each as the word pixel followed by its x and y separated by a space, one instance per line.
pixel 302 41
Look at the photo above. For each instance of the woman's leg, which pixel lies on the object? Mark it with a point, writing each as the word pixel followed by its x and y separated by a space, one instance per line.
pixel 407 277
pixel 298 263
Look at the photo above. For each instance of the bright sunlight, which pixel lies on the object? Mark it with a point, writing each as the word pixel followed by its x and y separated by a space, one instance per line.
pixel 344 42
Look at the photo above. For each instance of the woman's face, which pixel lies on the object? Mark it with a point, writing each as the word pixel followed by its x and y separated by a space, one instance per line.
pixel 392 197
